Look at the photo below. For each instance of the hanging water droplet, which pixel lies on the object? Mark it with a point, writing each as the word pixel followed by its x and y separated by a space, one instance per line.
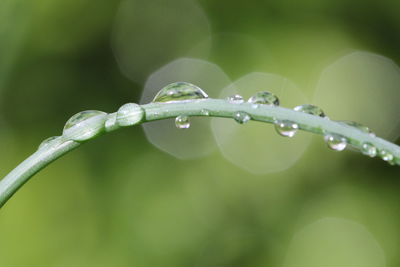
pixel 84 125
pixel 182 122
pixel 264 98
pixel 205 112
pixel 358 126
pixel 369 149
pixel 286 128
pixel 385 155
pixel 51 141
pixel 129 114
pixel 179 91
pixel 241 117
pixel 235 99
pixel 335 142
pixel 310 109
pixel 397 161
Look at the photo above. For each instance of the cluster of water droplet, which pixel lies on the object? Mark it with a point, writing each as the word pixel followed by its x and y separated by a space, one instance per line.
pixel 88 124
pixel 336 141
pixel 183 91
pixel 257 100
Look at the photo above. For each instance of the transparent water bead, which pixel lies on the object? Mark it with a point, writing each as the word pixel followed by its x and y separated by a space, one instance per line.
pixel 264 98
pixel 241 117
pixel 179 91
pixel 84 125
pixel 335 142
pixel 182 122
pixel 369 149
pixel 359 126
pixel 51 141
pixel 385 155
pixel 129 114
pixel 235 99
pixel 310 109
pixel 286 128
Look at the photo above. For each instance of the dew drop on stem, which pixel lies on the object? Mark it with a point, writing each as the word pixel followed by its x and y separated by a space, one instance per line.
pixel 236 99
pixel 241 117
pixel 264 98
pixel 335 142
pixel 51 141
pixel 179 91
pixel 182 122
pixel 385 155
pixel 129 114
pixel 369 149
pixel 310 109
pixel 84 125
pixel 286 128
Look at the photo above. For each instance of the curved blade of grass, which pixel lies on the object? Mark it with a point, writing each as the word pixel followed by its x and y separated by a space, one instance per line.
pixel 216 108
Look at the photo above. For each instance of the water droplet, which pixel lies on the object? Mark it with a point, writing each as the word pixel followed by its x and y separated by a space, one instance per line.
pixel 129 114
pixel 369 149
pixel 182 122
pixel 205 112
pixel 264 98
pixel 358 126
pixel 235 99
pixel 310 109
pixel 84 125
pixel 286 128
pixel 385 155
pixel 51 141
pixel 111 122
pixel 335 142
pixel 179 91
pixel 241 117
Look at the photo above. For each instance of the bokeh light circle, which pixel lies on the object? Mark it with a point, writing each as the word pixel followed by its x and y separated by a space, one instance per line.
pixel 149 34
pixel 197 141
pixel 255 146
pixel 332 242
pixel 362 87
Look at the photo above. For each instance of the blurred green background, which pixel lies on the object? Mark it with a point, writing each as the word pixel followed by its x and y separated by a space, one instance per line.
pixel 120 201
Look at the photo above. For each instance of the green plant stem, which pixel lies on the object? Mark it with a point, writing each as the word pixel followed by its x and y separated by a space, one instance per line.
pixel 215 108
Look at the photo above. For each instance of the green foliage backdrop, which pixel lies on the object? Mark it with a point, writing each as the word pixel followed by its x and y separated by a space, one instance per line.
pixel 119 201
